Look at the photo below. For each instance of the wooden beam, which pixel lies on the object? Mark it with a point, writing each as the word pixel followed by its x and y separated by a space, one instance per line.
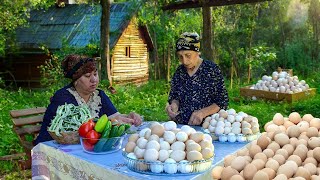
pixel 196 3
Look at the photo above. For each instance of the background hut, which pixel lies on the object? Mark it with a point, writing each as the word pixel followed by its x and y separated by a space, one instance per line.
pixel 78 25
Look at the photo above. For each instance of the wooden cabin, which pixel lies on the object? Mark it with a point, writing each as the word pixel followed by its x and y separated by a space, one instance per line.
pixel 78 25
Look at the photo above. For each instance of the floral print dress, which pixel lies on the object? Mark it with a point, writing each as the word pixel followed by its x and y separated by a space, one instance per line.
pixel 202 89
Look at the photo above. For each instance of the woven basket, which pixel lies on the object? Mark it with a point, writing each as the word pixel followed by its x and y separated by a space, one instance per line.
pixel 71 137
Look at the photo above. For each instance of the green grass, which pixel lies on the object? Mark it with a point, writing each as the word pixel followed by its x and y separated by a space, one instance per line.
pixel 148 100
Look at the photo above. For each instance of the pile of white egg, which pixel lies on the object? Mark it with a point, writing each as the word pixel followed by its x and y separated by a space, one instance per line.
pixel 281 82
pixel 228 125
pixel 166 148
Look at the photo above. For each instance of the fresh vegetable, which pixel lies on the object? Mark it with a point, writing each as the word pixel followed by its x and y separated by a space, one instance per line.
pixel 87 145
pixel 114 131
pixel 69 118
pixel 101 123
pixel 86 127
pixel 92 137
pixel 107 129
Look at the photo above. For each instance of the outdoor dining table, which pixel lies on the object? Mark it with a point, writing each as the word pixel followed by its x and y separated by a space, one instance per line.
pixel 51 160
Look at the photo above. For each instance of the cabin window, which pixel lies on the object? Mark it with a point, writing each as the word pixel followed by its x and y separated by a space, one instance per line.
pixel 128 51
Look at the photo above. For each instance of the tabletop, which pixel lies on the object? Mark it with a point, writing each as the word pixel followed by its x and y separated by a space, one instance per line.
pixel 51 160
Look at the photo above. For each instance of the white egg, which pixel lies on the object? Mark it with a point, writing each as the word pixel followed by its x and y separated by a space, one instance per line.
pixel 170 166
pixel 186 129
pixel 227 130
pixel 164 145
pixel 232 137
pixel 211 128
pixel 132 155
pixel 231 111
pixel 184 166
pixel 219 130
pixel 169 136
pixel 207 137
pixel 170 125
pixel 143 132
pixel 220 124
pixel 163 155
pixel 182 136
pixel 223 138
pixel 156 167
pixel 238 118
pixel 213 122
pixel 213 116
pixel 231 118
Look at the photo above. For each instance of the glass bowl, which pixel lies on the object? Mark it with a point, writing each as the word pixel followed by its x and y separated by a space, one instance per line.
pixel 102 145
pixel 167 169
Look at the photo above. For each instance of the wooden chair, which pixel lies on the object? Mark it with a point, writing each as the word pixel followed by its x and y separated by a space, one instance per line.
pixel 27 124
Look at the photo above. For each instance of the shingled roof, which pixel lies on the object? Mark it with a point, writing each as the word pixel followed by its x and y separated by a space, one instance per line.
pixel 75 24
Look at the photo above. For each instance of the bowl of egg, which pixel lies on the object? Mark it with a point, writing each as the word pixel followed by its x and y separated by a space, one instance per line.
pixel 164 149
pixel 230 126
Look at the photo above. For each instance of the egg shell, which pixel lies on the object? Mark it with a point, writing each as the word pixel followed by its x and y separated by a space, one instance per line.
pixel 142 143
pixel 263 141
pixel 295 117
pixel 194 156
pixel 178 155
pixel 228 159
pixel 286 170
pixel 259 163
pixel 170 125
pixel 184 167
pixel 133 137
pixel 270 172
pixel 315 122
pixel 302 172
pixel 141 166
pixel 283 152
pixel 153 144
pixel 156 167
pixel 139 152
pixel 268 152
pixel 228 172
pixel 178 145
pixel 164 145
pixel 216 172
pixel 197 137
pixel 314 142
pixel 307 117
pixel 310 160
pixel 163 155
pixel 312 132
pixel 130 147
pixel 193 147
pixel 207 153
pixel 260 175
pixel 143 132
pixel 170 166
pixel 281 139
pixel 293 131
pixel 279 158
pixel 289 148
pixel 249 171
pixel 151 155
pixel 205 125
pixel 254 149
pixel 261 156
pixel 238 163
pixel 169 136
pixel 273 164
pixel 182 136
pixel 157 130
pixel 278 119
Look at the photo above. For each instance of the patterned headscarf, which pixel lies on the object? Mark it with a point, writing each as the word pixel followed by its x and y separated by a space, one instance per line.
pixel 74 66
pixel 188 41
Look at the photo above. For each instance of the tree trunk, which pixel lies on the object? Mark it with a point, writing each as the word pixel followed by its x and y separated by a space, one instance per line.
pixel 207 50
pixel 104 40
pixel 168 64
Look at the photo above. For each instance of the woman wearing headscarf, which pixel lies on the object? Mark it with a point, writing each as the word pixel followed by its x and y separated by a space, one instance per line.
pixel 82 91
pixel 197 87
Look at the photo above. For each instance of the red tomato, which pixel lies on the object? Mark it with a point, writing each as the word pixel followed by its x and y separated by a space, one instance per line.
pixel 92 137
pixel 86 127
pixel 87 146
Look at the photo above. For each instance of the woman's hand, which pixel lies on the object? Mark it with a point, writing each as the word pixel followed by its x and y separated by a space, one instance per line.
pixel 172 110
pixel 137 119
pixel 196 118
pixel 132 118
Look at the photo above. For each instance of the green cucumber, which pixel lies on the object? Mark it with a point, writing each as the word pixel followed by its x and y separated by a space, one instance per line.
pixel 121 130
pixel 101 123
pixel 100 145
pixel 114 131
pixel 106 131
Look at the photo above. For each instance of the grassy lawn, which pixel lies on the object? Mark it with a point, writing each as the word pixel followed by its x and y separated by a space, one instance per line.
pixel 148 100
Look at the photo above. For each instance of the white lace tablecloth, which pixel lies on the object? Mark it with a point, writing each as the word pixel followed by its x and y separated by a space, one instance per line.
pixel 54 161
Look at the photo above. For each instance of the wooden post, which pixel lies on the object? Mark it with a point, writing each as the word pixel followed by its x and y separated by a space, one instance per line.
pixel 168 63
pixel 207 49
